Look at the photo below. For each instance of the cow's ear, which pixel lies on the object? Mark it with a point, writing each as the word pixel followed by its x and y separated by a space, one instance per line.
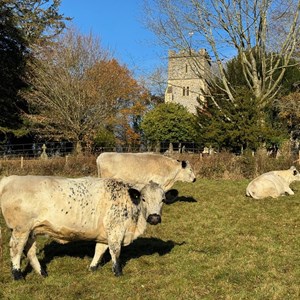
pixel 135 196
pixel 171 196
pixel 183 164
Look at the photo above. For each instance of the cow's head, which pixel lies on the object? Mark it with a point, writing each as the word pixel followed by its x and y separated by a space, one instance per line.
pixel 151 197
pixel 296 174
pixel 186 172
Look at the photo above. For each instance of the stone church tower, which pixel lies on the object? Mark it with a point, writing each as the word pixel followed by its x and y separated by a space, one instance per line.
pixel 188 72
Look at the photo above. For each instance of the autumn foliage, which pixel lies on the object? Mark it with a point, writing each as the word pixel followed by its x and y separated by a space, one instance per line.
pixel 79 89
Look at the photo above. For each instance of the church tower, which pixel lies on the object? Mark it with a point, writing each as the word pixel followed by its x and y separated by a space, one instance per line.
pixel 188 72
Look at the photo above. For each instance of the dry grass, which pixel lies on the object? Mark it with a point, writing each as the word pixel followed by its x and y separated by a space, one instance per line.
pixel 72 166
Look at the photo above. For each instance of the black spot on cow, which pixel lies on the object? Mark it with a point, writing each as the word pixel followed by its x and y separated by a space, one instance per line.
pixel 135 196
pixel 116 188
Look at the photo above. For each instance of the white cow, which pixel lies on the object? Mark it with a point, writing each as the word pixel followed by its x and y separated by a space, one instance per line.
pixel 273 184
pixel 110 212
pixel 144 167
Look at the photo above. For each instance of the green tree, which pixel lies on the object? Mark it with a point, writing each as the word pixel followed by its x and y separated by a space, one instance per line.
pixel 246 124
pixel 13 56
pixel 39 20
pixel 23 23
pixel 169 122
pixel 236 128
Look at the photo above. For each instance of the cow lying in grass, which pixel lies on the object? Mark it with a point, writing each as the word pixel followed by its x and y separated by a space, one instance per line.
pixel 273 184
pixel 110 212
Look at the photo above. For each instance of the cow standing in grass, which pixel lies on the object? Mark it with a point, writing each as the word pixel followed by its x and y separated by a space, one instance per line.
pixel 143 167
pixel 273 184
pixel 110 212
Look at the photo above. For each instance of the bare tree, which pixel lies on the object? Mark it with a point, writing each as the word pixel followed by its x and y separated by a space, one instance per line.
pixel 69 96
pixel 233 27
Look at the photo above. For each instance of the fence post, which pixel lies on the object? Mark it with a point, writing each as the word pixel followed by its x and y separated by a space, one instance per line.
pixel 22 162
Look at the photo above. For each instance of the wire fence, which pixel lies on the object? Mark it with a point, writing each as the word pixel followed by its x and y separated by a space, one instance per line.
pixel 34 150
pixel 59 149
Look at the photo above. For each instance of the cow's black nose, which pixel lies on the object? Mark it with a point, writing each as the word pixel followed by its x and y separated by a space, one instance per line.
pixel 154 219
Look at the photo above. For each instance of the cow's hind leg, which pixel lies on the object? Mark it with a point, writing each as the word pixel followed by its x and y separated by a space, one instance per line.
pixel 99 251
pixel 17 243
pixel 30 252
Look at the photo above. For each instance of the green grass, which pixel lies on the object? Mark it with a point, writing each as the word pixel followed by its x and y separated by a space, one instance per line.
pixel 214 243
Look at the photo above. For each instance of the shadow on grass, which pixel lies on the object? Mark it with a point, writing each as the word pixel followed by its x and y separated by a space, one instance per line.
pixel 185 199
pixel 139 247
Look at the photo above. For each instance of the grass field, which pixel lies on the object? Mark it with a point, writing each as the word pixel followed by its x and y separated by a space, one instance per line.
pixel 213 243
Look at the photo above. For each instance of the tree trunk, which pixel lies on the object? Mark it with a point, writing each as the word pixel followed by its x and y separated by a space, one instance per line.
pixel 78 148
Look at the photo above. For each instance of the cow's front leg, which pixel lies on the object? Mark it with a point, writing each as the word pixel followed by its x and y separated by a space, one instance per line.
pixel 114 245
pixel 30 252
pixel 16 244
pixel 99 251
pixel 289 191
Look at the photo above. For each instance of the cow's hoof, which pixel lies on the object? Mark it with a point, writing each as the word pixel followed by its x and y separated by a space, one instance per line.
pixel 17 274
pixel 118 274
pixel 44 273
pixel 117 270
pixel 93 268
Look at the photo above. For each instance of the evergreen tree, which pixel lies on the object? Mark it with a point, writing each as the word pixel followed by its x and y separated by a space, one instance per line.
pixel 13 56
pixel 23 24
pixel 39 20
pixel 246 123
pixel 169 122
pixel 235 128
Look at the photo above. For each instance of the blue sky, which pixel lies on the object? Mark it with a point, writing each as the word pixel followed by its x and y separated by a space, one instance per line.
pixel 117 24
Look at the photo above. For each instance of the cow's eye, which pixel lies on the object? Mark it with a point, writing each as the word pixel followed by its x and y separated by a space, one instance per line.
pixel 143 199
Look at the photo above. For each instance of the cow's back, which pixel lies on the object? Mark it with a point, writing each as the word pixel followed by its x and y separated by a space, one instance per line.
pixel 57 206
pixel 137 167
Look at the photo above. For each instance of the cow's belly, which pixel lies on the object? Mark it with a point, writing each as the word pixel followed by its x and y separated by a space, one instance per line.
pixel 67 233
